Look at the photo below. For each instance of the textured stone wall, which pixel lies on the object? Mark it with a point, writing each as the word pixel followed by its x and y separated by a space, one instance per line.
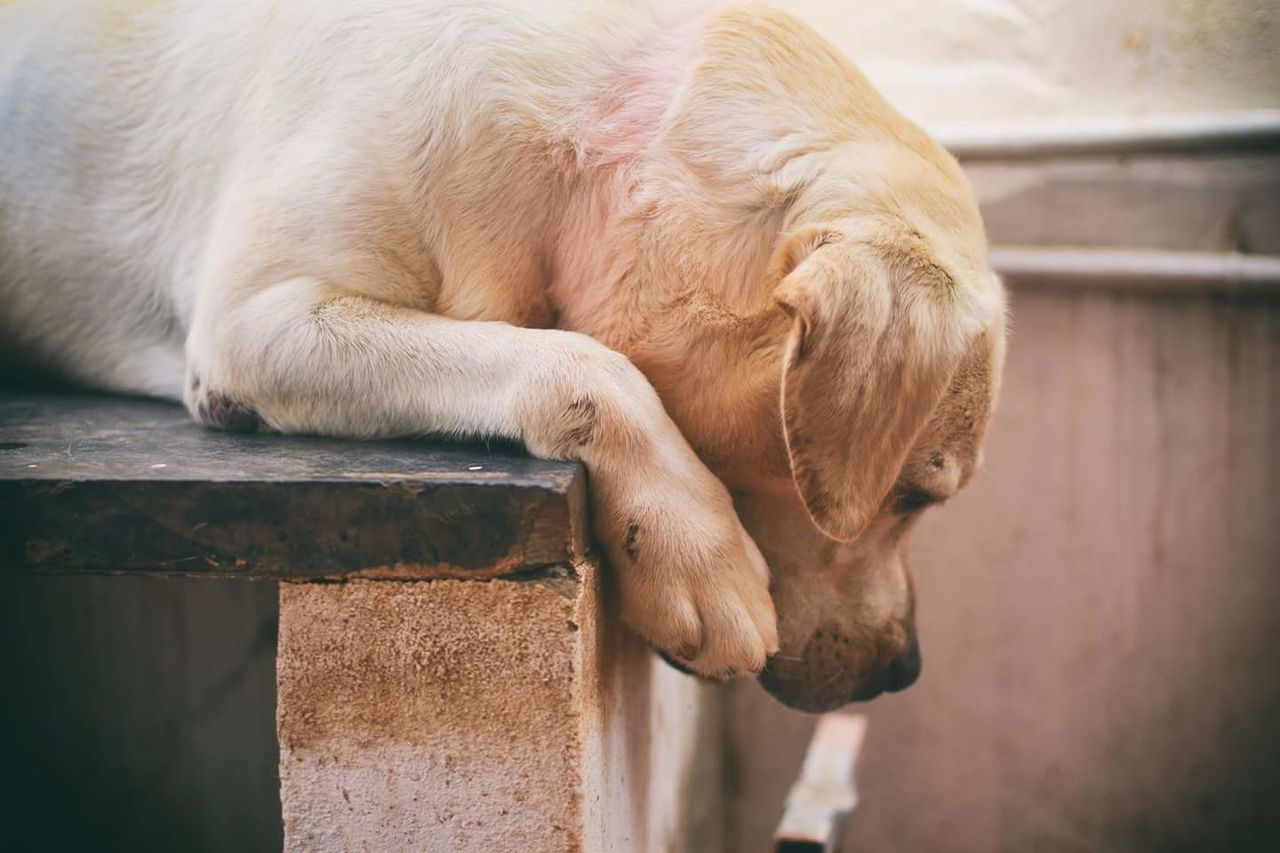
pixel 503 715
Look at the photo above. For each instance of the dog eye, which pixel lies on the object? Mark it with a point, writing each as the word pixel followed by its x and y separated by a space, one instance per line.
pixel 908 501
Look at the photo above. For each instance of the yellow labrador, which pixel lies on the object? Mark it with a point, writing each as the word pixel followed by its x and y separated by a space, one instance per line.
pixel 692 248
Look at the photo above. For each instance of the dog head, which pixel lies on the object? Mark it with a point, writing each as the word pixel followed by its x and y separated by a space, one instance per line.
pixel 820 320
pixel 885 382
pixel 837 414
pixel 888 374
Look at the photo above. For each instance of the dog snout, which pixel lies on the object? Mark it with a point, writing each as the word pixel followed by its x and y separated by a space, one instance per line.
pixel 836 667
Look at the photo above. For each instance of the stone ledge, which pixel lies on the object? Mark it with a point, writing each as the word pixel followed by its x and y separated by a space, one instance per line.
pixel 102 484
pixel 416 709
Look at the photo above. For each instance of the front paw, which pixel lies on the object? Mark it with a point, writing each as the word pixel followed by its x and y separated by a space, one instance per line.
pixel 695 586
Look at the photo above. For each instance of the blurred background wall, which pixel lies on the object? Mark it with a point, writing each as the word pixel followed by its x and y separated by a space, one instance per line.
pixel 1100 610
pixel 977 60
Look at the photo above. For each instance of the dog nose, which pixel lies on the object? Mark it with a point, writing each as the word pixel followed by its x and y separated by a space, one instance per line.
pixel 898 674
pixel 905 668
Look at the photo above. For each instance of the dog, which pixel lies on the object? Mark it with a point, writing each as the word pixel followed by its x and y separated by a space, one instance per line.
pixel 690 247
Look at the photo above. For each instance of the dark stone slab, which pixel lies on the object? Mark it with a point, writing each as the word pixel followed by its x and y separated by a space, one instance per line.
pixel 106 484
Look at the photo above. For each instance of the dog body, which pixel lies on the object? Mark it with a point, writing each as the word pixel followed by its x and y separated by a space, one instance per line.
pixel 690 247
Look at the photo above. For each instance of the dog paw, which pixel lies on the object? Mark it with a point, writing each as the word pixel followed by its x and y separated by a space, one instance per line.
pixel 222 412
pixel 696 588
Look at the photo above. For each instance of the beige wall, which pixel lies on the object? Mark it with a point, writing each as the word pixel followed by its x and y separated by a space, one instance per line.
pixel 965 60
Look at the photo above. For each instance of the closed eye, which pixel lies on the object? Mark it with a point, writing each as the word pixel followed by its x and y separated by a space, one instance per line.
pixel 909 500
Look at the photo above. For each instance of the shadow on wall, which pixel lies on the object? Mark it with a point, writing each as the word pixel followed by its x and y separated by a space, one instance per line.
pixel 138 714
pixel 1099 611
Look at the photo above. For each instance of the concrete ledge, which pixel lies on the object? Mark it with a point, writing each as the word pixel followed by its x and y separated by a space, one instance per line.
pixel 504 715
pixel 103 484
pixel 446 676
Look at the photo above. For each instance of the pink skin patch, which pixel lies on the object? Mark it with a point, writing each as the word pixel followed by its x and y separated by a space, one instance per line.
pixel 626 121
pixel 633 109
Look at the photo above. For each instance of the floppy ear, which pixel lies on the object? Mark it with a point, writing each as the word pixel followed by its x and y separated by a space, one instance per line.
pixel 877 333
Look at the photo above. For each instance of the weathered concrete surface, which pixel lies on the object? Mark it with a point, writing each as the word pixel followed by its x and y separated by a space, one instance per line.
pixel 499 715
pixel 653 739
pixel 103 484
pixel 461 691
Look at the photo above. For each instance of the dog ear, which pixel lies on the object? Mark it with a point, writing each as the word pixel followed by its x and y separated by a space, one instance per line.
pixel 878 330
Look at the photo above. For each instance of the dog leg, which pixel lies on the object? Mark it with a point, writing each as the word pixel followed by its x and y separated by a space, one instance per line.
pixel 300 356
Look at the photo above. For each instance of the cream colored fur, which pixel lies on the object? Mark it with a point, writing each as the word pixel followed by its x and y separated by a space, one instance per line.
pixel 690 247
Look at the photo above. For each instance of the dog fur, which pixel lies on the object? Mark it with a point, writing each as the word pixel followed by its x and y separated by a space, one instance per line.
pixel 690 247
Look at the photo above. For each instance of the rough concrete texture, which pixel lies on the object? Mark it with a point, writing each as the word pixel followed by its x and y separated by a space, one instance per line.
pixel 464 715
pixel 653 740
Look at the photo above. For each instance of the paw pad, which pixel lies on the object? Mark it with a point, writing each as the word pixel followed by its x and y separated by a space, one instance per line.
pixel 219 410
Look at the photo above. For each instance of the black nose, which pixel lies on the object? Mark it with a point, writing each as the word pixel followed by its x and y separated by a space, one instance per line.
pixel 898 674
pixel 905 668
